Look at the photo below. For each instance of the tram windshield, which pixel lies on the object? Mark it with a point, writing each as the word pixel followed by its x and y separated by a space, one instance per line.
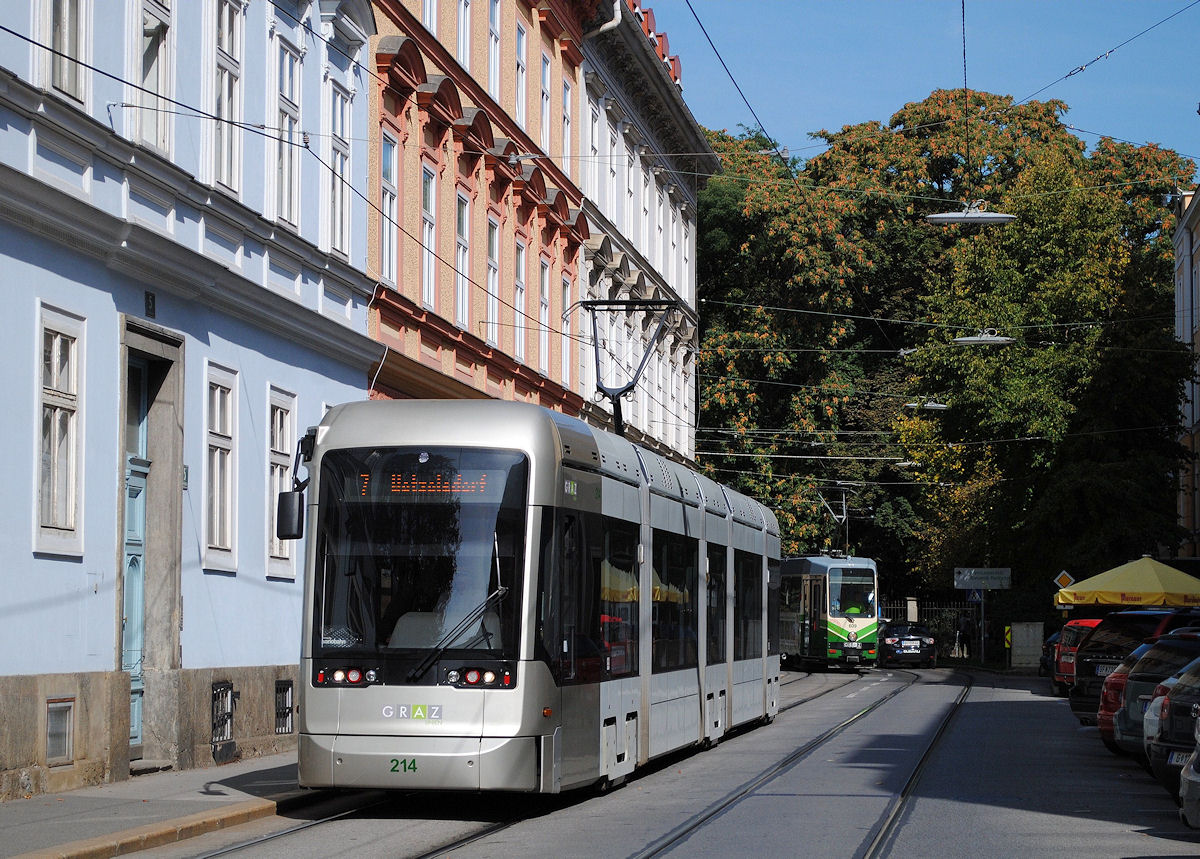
pixel 420 548
pixel 851 592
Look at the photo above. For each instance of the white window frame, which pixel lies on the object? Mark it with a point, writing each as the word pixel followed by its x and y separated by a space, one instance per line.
pixel 492 330
pixel 493 81
pixel 462 261
pixel 521 105
pixel 660 229
pixel 389 209
pixel 545 113
pixel 289 134
pixel 463 35
pixel 220 468
pixel 519 301
pixel 58 519
pixel 429 236
pixel 64 708
pixel 281 443
pixel 154 36
pixel 591 170
pixel 338 211
pixel 227 95
pixel 564 336
pixel 544 316
pixel 610 191
pixel 66 27
pixel 429 15
pixel 566 127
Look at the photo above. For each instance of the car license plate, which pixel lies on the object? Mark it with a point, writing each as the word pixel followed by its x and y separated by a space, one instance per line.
pixel 911 645
pixel 852 645
pixel 1178 759
pixel 1104 670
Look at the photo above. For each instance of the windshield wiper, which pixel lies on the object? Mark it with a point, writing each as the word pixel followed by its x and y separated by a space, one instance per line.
pixel 459 628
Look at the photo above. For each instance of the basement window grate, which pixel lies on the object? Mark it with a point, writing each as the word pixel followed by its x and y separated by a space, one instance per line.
pixel 222 712
pixel 283 707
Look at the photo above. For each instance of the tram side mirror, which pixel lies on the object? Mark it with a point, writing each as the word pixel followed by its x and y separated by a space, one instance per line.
pixel 289 516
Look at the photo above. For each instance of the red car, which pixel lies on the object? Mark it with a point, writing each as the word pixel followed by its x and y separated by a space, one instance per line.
pixel 1064 652
pixel 1112 698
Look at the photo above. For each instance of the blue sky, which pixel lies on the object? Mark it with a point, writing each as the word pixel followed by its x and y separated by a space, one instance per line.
pixel 809 64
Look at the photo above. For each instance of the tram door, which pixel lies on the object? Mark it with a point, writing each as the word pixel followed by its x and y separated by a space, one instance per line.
pixel 818 616
pixel 133 617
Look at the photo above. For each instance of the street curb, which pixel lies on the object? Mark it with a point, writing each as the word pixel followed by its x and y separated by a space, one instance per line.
pixel 169 831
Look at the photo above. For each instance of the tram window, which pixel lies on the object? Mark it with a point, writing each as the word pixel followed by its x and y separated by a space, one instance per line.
pixel 715 649
pixel 619 596
pixel 570 604
pixel 676 628
pixel 773 587
pixel 400 568
pixel 747 605
pixel 851 592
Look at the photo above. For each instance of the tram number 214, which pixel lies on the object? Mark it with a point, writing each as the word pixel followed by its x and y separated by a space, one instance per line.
pixel 404 765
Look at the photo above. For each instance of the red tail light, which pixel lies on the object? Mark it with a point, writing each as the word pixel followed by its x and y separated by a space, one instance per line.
pixel 1164 710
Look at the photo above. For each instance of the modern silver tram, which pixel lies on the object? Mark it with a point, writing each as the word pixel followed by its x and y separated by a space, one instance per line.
pixel 501 597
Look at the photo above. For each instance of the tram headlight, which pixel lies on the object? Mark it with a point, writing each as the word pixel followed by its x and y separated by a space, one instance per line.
pixel 354 676
pixel 453 676
pixel 852 636
pixel 339 676
pixel 472 677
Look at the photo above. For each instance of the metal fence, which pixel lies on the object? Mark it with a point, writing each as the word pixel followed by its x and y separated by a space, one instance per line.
pixel 954 625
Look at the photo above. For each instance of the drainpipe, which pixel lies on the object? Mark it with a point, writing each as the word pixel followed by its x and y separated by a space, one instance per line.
pixel 607 25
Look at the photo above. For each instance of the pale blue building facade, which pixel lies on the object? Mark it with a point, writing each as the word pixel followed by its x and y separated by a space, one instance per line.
pixel 183 242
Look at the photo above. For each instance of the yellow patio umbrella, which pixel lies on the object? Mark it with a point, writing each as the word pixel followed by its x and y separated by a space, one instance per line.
pixel 1141 582
pixel 617 585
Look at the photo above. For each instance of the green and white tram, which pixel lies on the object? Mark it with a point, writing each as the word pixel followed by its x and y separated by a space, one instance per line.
pixel 829 611
pixel 502 597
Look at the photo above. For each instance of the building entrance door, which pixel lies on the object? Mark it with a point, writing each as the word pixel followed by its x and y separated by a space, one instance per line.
pixel 133 618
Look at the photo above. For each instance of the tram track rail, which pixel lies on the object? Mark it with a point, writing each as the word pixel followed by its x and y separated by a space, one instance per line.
pixel 890 822
pixel 376 799
pixel 697 822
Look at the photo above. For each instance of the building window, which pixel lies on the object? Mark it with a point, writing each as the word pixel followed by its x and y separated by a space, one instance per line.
pixel 645 231
pixel 565 334
pixel 287 149
pixel 59 467
pixel 228 106
pixel 685 276
pixel 566 128
pixel 591 170
pixel 67 20
pixel 522 87
pixel 462 262
pixel 284 693
pixel 428 238
pixel 673 258
pixel 493 82
pixel 60 731
pixel 429 15
pixel 493 282
pixel 610 191
pixel 545 117
pixel 660 232
pixel 389 196
pixel 155 75
pixel 519 308
pixel 282 409
pixel 630 173
pixel 544 317
pixel 339 169
pixel 464 34
pixel 221 423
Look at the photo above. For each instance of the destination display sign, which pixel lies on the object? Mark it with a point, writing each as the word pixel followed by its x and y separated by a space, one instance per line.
pixel 987 578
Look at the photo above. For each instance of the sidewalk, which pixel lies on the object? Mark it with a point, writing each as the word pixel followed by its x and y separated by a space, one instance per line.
pixel 150 810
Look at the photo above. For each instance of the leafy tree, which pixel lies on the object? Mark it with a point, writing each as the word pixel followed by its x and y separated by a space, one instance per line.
pixel 829 302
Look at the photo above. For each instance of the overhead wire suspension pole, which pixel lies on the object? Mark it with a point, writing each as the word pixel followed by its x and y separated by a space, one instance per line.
pixel 614 394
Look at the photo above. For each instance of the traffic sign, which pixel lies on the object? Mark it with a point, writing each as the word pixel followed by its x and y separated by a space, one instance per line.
pixel 1064 580
pixel 992 578
pixel 975 595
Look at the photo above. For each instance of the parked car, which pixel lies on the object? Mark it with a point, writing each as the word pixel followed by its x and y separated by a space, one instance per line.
pixel 1176 740
pixel 1150 717
pixel 1064 652
pixel 1109 642
pixel 1112 695
pixel 1046 663
pixel 909 643
pixel 1168 654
